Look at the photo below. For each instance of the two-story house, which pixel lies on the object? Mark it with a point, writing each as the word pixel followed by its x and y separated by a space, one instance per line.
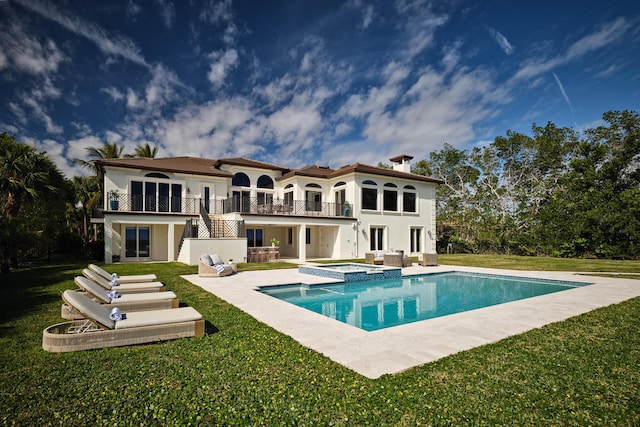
pixel 177 208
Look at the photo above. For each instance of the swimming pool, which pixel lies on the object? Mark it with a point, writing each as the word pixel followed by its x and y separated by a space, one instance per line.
pixel 380 304
pixel 351 271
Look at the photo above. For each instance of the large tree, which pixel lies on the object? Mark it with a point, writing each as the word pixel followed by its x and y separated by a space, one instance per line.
pixel 29 180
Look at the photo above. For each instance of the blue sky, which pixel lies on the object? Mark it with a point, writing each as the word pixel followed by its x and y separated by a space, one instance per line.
pixel 299 82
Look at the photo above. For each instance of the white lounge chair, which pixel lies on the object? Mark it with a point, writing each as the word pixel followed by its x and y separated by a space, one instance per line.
pixel 126 288
pixel 123 279
pixel 126 302
pixel 98 330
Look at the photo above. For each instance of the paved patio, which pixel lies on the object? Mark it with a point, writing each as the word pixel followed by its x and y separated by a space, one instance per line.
pixel 396 349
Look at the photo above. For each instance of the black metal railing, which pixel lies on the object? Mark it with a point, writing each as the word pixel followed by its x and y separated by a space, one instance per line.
pixel 214 229
pixel 279 207
pixel 152 203
pixel 249 205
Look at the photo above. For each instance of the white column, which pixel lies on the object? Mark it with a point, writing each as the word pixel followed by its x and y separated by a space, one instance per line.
pixel 108 240
pixel 171 252
pixel 302 242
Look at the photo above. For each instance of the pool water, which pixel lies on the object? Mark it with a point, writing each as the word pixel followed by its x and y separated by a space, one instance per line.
pixel 379 304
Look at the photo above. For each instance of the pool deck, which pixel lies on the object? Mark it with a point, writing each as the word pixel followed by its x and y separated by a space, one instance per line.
pixel 397 349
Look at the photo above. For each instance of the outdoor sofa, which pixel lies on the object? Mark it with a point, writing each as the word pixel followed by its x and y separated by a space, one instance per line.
pixel 213 266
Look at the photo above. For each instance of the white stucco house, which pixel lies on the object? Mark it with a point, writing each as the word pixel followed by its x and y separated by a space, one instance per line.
pixel 167 209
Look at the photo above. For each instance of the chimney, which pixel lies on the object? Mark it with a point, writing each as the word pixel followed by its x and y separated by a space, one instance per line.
pixel 402 163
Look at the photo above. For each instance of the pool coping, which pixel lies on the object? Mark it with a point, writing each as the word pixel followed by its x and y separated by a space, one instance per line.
pixel 396 349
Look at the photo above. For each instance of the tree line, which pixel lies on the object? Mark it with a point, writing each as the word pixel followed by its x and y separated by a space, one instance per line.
pixel 555 192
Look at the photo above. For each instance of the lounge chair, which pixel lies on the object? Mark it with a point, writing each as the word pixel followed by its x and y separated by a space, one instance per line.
pixel 127 288
pixel 212 266
pixel 427 260
pixel 98 330
pixel 127 302
pixel 123 279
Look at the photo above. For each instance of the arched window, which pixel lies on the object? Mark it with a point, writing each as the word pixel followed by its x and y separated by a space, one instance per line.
pixel 369 195
pixel 265 182
pixel 240 179
pixel 390 197
pixel 313 197
pixel 156 175
pixel 340 184
pixel 409 197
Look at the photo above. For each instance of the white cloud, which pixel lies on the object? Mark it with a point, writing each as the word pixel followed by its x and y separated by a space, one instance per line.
pixel 501 40
pixel 112 45
pixel 167 12
pixel 114 93
pixel 606 34
pixel 222 63
pixel 22 52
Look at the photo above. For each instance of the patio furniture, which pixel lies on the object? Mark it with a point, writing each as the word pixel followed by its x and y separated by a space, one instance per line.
pixel 126 302
pixel 428 260
pixel 100 330
pixel 393 260
pixel 212 266
pixel 123 279
pixel 407 261
pixel 126 288
pixel 375 257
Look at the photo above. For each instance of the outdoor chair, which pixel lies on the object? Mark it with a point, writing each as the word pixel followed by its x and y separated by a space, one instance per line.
pixel 123 279
pixel 213 266
pixel 127 288
pixel 111 328
pixel 126 302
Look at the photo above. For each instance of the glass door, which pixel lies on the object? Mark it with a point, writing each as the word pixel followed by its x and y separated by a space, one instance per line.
pixel 137 242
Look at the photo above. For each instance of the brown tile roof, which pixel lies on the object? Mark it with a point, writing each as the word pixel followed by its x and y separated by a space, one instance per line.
pixel 194 165
pixel 241 161
pixel 210 167
pixel 316 171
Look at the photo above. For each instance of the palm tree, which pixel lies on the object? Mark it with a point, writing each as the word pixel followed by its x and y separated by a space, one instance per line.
pixel 144 151
pixel 24 174
pixel 107 151
pixel 87 195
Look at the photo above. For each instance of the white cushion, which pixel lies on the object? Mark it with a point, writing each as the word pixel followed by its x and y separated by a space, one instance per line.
pixel 206 259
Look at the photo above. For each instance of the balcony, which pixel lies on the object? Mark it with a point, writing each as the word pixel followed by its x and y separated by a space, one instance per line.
pixel 153 204
pixel 242 205
pixel 279 207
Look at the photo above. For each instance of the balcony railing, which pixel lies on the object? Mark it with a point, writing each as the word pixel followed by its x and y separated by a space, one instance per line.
pixel 279 207
pixel 242 205
pixel 158 204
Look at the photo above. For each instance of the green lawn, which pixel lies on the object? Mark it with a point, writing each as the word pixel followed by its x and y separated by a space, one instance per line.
pixel 584 371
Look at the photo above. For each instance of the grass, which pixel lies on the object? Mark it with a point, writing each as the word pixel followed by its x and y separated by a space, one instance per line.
pixel 584 371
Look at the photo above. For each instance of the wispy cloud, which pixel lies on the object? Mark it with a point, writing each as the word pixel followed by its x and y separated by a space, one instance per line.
pixel 112 45
pixel 564 94
pixel 502 41
pixel 605 35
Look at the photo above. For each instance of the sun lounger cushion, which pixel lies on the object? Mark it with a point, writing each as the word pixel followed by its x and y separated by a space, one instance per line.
pixel 136 319
pixel 123 279
pixel 89 308
pixel 123 287
pixel 100 314
pixel 98 292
